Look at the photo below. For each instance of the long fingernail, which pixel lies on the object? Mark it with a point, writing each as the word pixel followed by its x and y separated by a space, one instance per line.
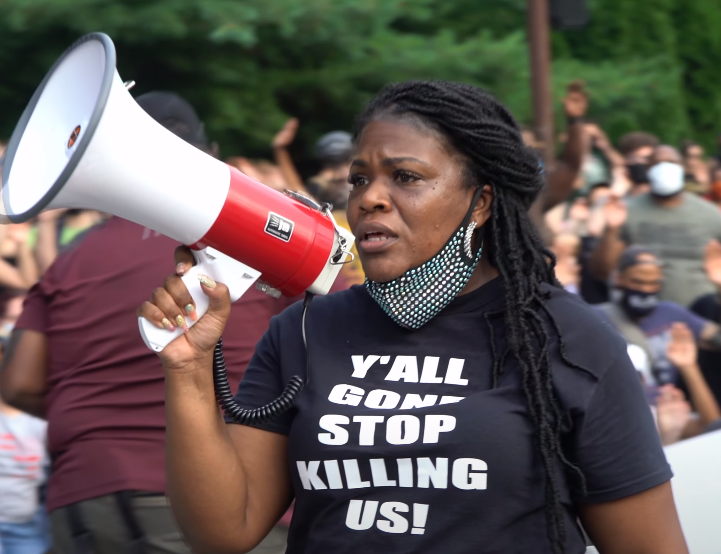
pixel 166 323
pixel 207 281
pixel 190 310
pixel 181 268
pixel 180 322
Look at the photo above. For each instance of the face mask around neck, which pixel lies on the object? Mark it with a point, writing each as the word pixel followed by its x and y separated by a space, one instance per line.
pixel 417 296
pixel 666 179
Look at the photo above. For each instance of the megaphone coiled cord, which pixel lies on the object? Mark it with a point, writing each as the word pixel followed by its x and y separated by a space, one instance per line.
pixel 255 416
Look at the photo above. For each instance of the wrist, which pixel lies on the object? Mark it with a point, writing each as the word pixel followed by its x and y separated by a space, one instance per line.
pixel 690 368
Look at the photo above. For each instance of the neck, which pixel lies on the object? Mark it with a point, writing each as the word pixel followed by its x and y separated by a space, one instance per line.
pixel 483 274
pixel 668 201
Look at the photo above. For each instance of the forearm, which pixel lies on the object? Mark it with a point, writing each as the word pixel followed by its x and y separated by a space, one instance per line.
pixel 46 249
pixel 562 175
pixel 606 254
pixel 700 395
pixel 206 482
pixel 287 168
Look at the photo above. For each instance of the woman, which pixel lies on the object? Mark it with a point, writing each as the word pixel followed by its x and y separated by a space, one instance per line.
pixel 459 402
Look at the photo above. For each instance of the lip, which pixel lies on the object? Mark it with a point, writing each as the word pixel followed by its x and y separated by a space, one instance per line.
pixel 373 246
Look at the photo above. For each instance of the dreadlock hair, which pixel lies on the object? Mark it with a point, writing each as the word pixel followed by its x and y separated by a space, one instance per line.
pixel 484 132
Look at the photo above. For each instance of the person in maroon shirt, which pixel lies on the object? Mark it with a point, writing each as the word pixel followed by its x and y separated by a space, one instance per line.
pixel 77 359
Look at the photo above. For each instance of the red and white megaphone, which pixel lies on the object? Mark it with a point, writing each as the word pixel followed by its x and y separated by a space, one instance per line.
pixel 83 142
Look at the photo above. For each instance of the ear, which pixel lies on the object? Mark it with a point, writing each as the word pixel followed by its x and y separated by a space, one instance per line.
pixel 482 210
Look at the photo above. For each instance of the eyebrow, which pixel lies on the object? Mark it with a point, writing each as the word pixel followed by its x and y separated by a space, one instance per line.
pixel 387 162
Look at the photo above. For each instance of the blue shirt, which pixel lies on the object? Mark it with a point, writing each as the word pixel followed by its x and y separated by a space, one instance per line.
pixel 657 328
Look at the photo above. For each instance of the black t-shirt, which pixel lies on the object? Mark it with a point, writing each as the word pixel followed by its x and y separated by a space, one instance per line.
pixel 400 444
pixel 709 361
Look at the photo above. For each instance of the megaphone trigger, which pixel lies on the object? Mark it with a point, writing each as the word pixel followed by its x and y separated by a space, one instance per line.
pixel 236 276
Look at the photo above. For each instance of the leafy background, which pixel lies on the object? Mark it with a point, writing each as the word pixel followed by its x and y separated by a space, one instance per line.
pixel 247 65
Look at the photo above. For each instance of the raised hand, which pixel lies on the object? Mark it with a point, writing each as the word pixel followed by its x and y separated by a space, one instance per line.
pixel 286 135
pixel 615 212
pixel 682 350
pixel 673 414
pixel 575 104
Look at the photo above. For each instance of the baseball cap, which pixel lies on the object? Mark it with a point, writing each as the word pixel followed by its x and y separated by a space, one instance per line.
pixel 631 256
pixel 335 147
pixel 175 114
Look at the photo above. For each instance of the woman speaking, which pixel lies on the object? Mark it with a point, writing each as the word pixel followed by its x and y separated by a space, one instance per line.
pixel 458 402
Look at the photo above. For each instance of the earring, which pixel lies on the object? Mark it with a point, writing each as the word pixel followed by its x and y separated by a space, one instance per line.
pixel 467 239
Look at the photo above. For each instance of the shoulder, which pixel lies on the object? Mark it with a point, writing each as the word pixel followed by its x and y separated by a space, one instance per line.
pixel 703 206
pixel 589 339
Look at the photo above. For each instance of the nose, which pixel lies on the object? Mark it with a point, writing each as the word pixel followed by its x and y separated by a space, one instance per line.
pixel 375 197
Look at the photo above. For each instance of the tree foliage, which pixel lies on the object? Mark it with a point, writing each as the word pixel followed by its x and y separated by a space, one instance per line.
pixel 248 65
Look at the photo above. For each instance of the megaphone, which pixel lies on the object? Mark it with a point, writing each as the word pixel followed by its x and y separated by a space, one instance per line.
pixel 83 142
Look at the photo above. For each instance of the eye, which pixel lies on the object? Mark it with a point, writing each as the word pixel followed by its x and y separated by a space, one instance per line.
pixel 357 180
pixel 405 176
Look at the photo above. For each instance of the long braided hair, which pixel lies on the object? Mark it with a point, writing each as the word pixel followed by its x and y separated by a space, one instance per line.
pixel 485 133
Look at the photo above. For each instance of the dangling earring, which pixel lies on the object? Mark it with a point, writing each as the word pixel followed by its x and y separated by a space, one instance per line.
pixel 467 239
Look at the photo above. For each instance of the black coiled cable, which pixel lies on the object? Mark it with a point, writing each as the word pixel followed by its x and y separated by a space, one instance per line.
pixel 273 409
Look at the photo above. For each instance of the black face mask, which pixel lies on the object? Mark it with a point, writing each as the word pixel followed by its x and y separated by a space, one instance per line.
pixel 638 304
pixel 638 173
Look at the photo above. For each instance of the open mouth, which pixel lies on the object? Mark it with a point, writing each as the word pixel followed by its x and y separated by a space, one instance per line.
pixel 376 236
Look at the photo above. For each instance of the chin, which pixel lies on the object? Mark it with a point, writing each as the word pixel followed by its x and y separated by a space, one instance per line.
pixel 382 271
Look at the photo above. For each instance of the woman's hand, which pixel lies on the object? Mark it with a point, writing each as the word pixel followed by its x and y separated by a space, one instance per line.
pixel 171 305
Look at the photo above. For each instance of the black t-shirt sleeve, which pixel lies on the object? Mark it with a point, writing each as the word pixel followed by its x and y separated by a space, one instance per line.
pixel 263 380
pixel 617 446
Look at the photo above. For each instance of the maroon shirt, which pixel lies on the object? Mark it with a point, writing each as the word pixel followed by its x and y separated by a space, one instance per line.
pixel 105 400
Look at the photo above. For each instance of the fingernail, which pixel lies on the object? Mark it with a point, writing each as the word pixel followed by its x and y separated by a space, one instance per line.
pixel 180 322
pixel 180 268
pixel 190 309
pixel 207 281
pixel 166 323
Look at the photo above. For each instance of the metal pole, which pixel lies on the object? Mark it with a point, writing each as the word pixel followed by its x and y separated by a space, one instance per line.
pixel 539 49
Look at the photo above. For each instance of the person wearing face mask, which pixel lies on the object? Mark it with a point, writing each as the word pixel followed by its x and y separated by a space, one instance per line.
pixel 637 149
pixel 460 401
pixel 677 225
pixel 638 313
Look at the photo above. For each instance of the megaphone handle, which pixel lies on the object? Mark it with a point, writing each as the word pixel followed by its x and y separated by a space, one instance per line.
pixel 236 276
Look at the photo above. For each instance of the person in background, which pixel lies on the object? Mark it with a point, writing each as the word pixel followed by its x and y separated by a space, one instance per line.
pixel 18 267
pixel 714 192
pixel 591 289
pixel 675 418
pixel 708 307
pixel 638 314
pixel 330 184
pixel 675 224
pixel 561 175
pixel 24 527
pixel 262 171
pixel 101 389
pixel 696 171
pixel 566 247
pixel 637 148
pixel 56 229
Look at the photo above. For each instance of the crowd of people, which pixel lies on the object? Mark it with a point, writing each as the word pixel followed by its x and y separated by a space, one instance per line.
pixel 635 229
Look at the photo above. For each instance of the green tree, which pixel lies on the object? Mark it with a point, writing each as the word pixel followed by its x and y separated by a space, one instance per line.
pixel 249 65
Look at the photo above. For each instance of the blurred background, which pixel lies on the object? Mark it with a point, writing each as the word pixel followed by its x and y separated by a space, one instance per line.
pixel 249 65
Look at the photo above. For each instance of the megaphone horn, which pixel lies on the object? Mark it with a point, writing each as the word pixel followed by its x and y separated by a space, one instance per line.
pixel 83 142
